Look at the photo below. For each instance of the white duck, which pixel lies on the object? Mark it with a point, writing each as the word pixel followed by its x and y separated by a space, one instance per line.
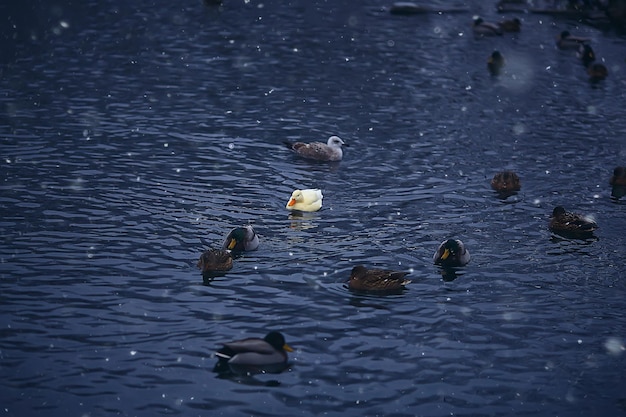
pixel 305 200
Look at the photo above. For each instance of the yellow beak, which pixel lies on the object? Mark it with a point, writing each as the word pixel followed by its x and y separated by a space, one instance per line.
pixel 445 255
pixel 232 244
pixel 287 348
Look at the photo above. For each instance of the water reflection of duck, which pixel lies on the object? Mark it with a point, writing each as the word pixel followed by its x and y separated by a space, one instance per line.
pixel 377 280
pixel 253 355
pixel 242 239
pixel 451 253
pixel 305 200
pixel 571 224
pixel 215 261
pixel 506 181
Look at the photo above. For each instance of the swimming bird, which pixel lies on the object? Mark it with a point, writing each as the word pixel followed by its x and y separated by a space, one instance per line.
pixel 330 151
pixel 451 253
pixel 214 261
pixel 565 40
pixel 512 25
pixel 619 176
pixel 506 181
pixel 305 200
pixel 242 239
pixel 483 28
pixel 254 354
pixel 377 280
pixel 595 70
pixel 571 224
pixel 495 63
pixel 586 54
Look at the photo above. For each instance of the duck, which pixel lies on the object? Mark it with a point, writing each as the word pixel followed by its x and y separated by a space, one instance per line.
pixel 377 280
pixel 571 224
pixel 483 28
pixel 565 40
pixel 586 54
pixel 619 177
pixel 329 151
pixel 254 354
pixel 215 261
pixel 511 25
pixel 451 253
pixel 595 70
pixel 241 239
pixel 506 181
pixel 495 63
pixel 305 200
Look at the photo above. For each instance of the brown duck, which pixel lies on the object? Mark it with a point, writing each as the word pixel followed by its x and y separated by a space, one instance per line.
pixel 377 280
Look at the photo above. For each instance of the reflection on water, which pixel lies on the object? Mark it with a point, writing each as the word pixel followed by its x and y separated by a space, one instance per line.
pixel 126 153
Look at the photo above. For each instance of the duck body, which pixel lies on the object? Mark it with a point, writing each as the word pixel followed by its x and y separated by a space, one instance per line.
pixel 241 239
pixel 571 224
pixel 329 151
pixel 565 40
pixel 215 261
pixel 253 355
pixel 305 200
pixel 506 181
pixel 586 54
pixel 597 72
pixel 619 177
pixel 377 280
pixel 512 25
pixel 451 253
pixel 483 28
pixel 495 63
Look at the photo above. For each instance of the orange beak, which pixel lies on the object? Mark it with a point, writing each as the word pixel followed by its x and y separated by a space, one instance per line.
pixel 291 202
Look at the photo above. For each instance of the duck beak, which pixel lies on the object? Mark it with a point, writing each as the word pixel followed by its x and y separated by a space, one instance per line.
pixel 445 254
pixel 232 244
pixel 291 202
pixel 287 348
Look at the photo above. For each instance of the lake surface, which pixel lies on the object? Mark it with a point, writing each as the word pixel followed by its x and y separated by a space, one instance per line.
pixel 135 138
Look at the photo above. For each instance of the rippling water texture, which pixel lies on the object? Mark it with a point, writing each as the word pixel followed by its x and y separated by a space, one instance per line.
pixel 134 138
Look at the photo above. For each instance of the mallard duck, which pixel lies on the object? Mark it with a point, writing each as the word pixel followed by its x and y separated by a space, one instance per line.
pixel 586 54
pixel 571 224
pixel 241 239
pixel 451 253
pixel 597 72
pixel 495 63
pixel 506 181
pixel 305 200
pixel 512 25
pixel 254 354
pixel 483 28
pixel 376 280
pixel 565 40
pixel 215 261
pixel 330 151
pixel 619 177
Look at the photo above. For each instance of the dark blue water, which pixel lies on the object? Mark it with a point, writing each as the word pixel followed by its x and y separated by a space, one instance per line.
pixel 135 136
